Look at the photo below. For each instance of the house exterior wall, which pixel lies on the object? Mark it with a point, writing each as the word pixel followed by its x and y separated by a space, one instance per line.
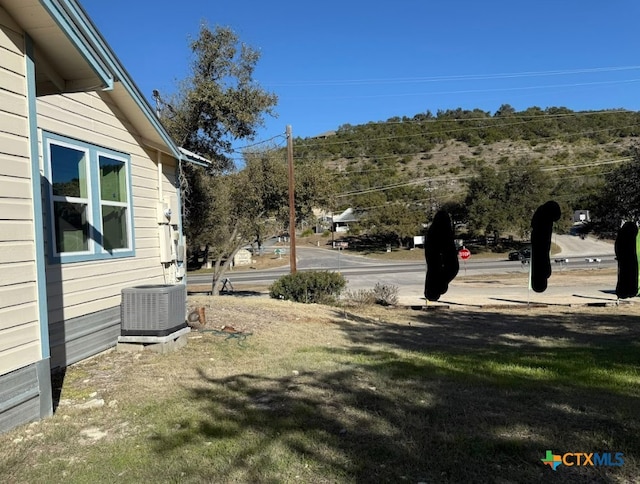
pixel 19 321
pixel 84 297
pixel 25 385
pixel 60 306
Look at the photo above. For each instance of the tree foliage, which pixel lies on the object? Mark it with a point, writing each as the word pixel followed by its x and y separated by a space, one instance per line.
pixel 314 187
pixel 238 209
pixel 498 201
pixel 486 202
pixel 395 221
pixel 216 225
pixel 420 133
pixel 619 200
pixel 219 102
pixel 233 210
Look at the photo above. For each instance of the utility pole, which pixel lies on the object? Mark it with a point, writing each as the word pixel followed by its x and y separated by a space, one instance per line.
pixel 292 206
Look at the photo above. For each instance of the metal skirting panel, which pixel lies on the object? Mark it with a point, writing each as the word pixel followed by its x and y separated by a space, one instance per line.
pixel 78 338
pixel 19 397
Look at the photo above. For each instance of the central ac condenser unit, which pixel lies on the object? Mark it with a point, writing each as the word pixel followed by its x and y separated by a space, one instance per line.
pixel 153 310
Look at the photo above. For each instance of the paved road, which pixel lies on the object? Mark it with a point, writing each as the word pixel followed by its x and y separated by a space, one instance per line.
pixel 363 273
pixel 573 246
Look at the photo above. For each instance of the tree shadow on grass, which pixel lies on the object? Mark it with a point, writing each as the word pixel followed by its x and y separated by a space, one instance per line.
pixel 404 404
pixel 462 330
pixel 243 293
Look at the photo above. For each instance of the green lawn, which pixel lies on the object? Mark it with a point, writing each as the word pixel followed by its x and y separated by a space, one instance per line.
pixel 316 394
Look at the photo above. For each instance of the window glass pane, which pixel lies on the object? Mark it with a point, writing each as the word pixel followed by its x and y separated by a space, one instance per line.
pixel 112 180
pixel 72 229
pixel 69 172
pixel 114 228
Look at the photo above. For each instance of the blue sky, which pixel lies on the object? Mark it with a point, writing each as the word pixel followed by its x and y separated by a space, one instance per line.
pixel 351 62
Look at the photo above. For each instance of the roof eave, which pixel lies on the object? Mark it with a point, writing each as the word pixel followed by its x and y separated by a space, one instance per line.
pixel 76 24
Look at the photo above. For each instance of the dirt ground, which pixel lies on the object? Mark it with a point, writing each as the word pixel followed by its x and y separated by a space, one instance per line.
pixel 587 324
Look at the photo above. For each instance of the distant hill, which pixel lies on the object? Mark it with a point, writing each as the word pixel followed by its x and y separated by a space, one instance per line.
pixel 444 150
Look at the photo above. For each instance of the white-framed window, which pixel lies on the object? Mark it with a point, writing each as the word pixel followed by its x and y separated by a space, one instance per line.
pixel 89 189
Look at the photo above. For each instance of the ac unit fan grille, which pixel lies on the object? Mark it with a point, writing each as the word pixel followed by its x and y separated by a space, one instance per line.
pixel 153 310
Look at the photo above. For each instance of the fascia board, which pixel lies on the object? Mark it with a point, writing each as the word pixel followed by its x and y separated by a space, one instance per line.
pixel 75 29
pixel 77 25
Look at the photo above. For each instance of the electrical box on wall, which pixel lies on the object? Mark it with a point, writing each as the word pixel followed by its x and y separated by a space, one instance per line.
pixel 164 213
pixel 165 244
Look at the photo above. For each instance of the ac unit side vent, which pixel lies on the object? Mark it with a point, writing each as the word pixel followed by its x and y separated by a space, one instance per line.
pixel 153 310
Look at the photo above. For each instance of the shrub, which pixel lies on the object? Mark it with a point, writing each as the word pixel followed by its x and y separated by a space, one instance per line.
pixel 309 287
pixel 359 298
pixel 386 295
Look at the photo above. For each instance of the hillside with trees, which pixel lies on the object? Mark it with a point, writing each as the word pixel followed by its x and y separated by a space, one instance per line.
pixel 490 171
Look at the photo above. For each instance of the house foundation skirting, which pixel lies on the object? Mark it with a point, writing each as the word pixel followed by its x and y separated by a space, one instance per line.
pixel 25 395
pixel 75 339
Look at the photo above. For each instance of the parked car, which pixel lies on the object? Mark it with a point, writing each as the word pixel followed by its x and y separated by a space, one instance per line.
pixel 521 255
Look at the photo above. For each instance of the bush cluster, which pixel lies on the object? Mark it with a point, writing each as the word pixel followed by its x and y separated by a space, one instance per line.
pixel 359 298
pixel 383 294
pixel 321 287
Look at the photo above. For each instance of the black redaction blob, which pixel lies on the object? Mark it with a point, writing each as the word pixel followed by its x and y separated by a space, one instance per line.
pixel 441 255
pixel 626 248
pixel 541 228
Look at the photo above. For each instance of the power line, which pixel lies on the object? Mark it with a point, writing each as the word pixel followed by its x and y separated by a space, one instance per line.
pixel 463 77
pixel 241 148
pixel 524 119
pixel 466 177
pixel 476 91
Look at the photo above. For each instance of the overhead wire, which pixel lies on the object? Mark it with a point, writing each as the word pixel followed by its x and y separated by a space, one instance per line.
pixel 258 143
pixel 463 128
pixel 476 91
pixel 462 77
pixel 463 177
pixel 524 119
pixel 350 172
pixel 377 157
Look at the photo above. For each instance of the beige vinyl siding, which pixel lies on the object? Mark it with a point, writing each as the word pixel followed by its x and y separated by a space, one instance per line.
pixel 20 231
pixel 19 325
pixel 169 179
pixel 15 167
pixel 12 124
pixel 11 357
pixel 15 209
pixel 12 147
pixel 13 337
pixel 16 273
pixel 16 252
pixel 19 295
pixel 76 289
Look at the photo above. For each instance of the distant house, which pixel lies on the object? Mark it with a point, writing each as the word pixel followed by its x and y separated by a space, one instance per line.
pixel 325 135
pixel 341 222
pixel 581 216
pixel 88 197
